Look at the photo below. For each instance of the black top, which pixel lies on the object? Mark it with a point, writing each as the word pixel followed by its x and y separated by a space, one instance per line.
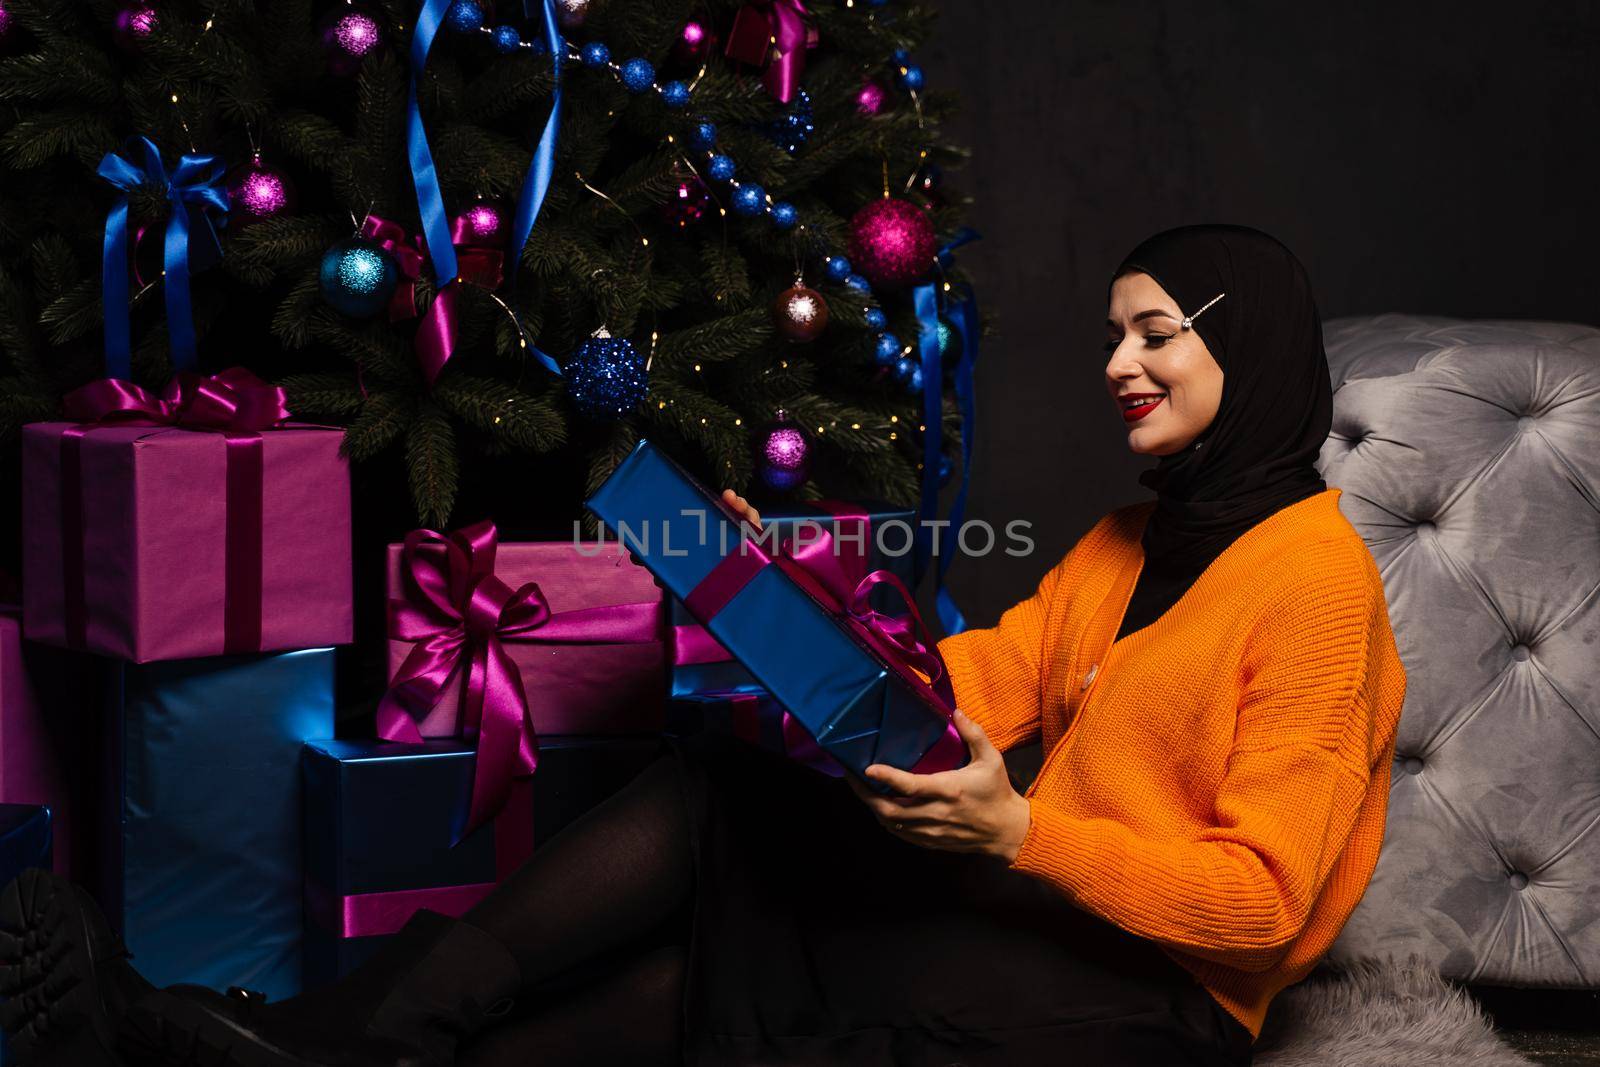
pixel 1259 453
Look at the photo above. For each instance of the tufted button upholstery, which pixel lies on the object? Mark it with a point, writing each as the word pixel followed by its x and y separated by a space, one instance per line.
pixel 1477 488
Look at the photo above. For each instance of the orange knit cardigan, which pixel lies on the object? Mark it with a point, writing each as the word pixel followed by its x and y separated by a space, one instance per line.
pixel 1216 781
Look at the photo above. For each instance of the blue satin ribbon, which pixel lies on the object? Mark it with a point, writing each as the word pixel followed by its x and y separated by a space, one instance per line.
pixel 964 319
pixel 424 177
pixel 540 172
pixel 195 187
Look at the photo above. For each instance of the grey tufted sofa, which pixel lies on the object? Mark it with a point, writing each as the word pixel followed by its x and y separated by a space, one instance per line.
pixel 1469 456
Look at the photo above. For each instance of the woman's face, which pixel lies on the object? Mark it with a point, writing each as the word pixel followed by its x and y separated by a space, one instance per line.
pixel 1154 359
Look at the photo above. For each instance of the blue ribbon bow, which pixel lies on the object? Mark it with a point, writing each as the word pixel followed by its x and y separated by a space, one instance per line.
pixel 195 188
pixel 963 318
pixel 430 199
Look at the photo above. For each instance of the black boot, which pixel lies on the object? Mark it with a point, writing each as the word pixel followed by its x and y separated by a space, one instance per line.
pixel 64 974
pixel 428 988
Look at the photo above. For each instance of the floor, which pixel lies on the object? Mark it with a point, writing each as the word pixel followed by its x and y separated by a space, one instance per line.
pixel 1554 1028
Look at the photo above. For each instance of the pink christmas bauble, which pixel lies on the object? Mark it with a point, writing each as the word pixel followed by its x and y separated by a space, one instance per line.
pixel 350 34
pixel 486 222
pixel 689 202
pixel 871 98
pixel 134 22
pixel 258 191
pixel 891 243
pixel 8 25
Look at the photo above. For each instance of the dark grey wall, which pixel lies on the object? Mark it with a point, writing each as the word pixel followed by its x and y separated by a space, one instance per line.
pixel 1417 157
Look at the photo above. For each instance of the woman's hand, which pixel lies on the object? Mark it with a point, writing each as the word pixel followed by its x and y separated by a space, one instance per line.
pixel 743 508
pixel 970 809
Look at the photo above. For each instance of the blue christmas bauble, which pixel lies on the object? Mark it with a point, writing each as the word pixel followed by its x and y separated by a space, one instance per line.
pixel 595 54
pixel 704 136
pixel 675 94
pixel 910 78
pixel 638 75
pixel 901 57
pixel 791 130
pixel 876 319
pixel 749 200
pixel 464 16
pixel 606 378
pixel 905 368
pixel 856 281
pixel 887 351
pixel 721 167
pixel 784 215
pixel 838 268
pixel 914 385
pixel 947 468
pixel 357 278
pixel 506 39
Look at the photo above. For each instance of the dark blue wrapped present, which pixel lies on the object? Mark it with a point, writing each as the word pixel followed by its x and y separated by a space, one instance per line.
pixel 200 830
pixel 25 840
pixel 381 816
pixel 869 687
pixel 870 536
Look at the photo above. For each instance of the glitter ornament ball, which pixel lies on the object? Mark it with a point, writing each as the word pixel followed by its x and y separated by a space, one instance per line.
pixel 257 191
pixel 892 243
pixel 887 350
pixel 572 14
pixel 484 222
pixel 8 25
pixel 691 200
pixel 349 35
pixel 791 131
pixel 675 94
pixel 749 200
pixel 638 75
pixel 783 455
pixel 464 16
pixel 606 378
pixel 800 313
pixel 134 22
pixel 694 42
pixel 357 278
pixel 871 98
pixel 506 39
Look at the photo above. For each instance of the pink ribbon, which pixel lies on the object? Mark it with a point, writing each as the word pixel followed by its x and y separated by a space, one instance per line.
pixel 774 30
pixel 458 615
pixel 379 914
pixel 234 403
pixel 477 263
pixel 691 644
pixel 902 642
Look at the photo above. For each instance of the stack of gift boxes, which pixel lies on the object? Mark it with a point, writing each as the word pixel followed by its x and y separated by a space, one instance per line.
pixel 202 575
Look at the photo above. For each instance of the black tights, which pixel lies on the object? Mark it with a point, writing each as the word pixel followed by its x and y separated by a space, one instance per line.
pixel 598 919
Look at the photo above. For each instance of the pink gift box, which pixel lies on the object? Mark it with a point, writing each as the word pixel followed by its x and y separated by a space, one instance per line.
pixel 30 764
pixel 571 688
pixel 155 545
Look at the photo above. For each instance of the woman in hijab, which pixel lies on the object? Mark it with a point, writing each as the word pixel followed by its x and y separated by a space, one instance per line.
pixel 1216 687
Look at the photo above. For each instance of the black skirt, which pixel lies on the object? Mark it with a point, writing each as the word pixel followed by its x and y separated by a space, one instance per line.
pixel 820 938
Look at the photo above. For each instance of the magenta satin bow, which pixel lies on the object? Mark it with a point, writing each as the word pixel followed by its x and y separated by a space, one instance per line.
pixel 775 29
pixel 831 577
pixel 232 401
pixel 459 614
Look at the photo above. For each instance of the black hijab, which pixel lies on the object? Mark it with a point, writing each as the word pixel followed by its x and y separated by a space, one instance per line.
pixel 1258 455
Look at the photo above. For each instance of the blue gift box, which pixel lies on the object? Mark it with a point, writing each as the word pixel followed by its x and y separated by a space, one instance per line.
pixel 381 816
pixel 700 666
pixel 201 829
pixel 856 705
pixel 25 838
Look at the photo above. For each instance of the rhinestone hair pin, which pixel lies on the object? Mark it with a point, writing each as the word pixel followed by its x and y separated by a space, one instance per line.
pixel 1188 322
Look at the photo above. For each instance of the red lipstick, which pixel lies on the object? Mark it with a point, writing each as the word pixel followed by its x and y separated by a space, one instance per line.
pixel 1137 413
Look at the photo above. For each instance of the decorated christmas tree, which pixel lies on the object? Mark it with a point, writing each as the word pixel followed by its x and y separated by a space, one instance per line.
pixel 499 243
